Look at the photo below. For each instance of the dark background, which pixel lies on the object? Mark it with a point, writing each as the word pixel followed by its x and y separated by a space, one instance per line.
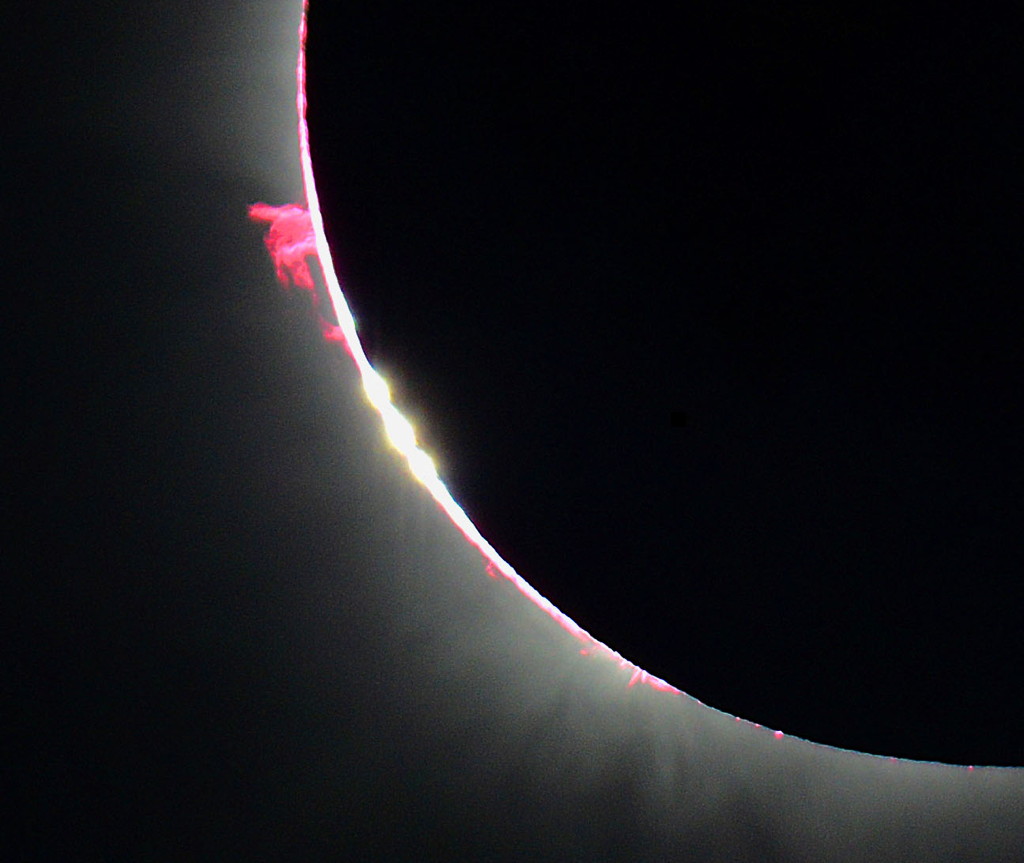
pixel 712 323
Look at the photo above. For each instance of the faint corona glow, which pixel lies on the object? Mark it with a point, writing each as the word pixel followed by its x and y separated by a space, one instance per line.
pixel 297 233
pixel 400 433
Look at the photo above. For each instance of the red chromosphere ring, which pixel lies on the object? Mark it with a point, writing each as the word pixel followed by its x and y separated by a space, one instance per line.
pixel 295 234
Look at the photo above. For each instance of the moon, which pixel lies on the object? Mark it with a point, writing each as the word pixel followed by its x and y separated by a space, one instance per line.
pixel 254 626
pixel 625 235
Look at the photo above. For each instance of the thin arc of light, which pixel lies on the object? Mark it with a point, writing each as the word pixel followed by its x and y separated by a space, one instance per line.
pixel 399 430
pixel 402 435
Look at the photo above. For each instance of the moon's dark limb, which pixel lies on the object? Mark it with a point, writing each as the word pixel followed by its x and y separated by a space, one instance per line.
pixel 805 243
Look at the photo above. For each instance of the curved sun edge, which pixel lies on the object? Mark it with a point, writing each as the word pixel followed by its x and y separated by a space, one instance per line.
pixel 400 431
pixel 402 436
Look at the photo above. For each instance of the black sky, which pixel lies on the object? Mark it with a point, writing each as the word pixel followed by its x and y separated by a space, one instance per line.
pixel 800 230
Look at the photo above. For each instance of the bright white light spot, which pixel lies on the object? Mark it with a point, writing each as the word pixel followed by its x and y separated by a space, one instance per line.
pixel 400 432
pixel 423 467
pixel 376 388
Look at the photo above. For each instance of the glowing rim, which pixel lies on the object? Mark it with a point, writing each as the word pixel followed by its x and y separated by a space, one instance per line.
pixel 400 431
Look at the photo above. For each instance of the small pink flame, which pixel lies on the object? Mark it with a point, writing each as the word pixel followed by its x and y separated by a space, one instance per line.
pixel 291 242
